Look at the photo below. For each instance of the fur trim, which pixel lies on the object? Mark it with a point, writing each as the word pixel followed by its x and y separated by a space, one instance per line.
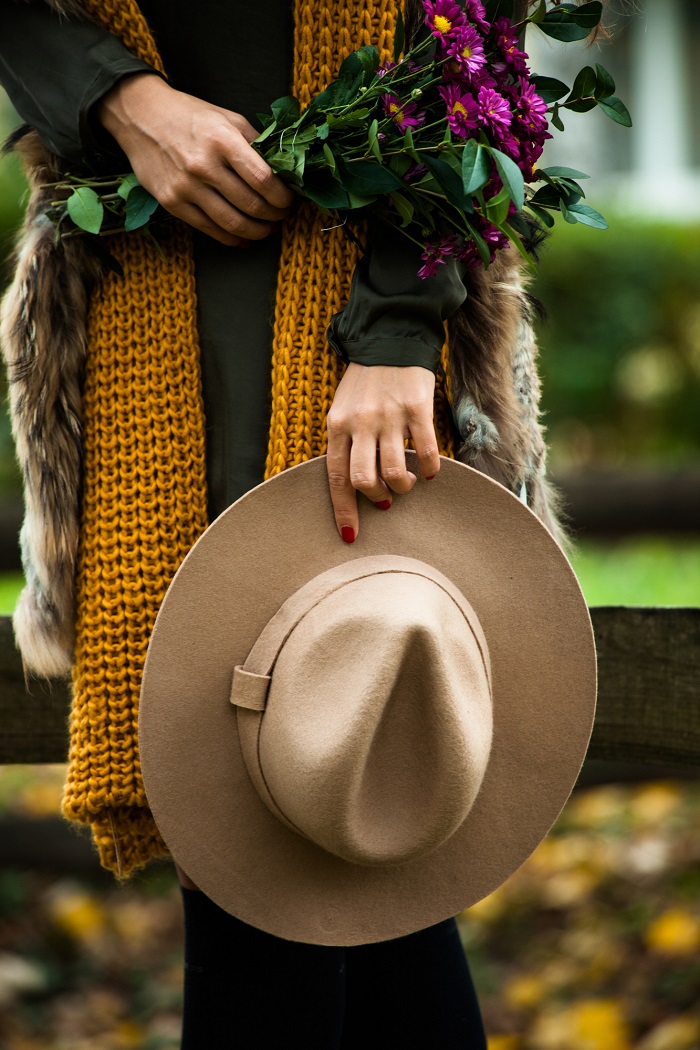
pixel 496 388
pixel 42 332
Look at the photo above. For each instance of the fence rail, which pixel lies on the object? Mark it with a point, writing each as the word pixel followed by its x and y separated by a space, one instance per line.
pixel 648 701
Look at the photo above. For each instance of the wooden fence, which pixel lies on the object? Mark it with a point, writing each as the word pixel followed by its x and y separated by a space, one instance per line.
pixel 648 714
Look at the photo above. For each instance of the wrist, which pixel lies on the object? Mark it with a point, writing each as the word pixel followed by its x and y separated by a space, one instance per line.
pixel 118 111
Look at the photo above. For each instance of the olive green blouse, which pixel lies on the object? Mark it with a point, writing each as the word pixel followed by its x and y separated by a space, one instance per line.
pixel 55 70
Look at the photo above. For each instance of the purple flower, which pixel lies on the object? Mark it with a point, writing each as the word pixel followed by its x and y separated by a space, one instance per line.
pixel 442 17
pixel 462 110
pixel 494 110
pixel 506 38
pixel 436 254
pixel 495 241
pixel 475 12
pixel 466 49
pixel 531 110
pixel 403 114
pixel 415 172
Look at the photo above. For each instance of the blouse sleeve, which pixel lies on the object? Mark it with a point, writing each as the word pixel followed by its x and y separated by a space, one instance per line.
pixel 394 317
pixel 55 70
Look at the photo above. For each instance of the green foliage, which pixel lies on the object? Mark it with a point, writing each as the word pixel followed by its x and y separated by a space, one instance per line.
pixel 620 351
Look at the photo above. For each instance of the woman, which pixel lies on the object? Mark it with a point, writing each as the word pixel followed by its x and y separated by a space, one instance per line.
pixel 97 100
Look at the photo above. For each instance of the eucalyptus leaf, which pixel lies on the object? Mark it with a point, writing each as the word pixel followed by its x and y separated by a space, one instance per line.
pixel 616 110
pixel 127 184
pixel 356 200
pixel 584 85
pixel 403 207
pixel 605 85
pixel 588 216
pixel 549 89
pixel 557 122
pixel 85 209
pixel 539 14
pixel 568 22
pixel 476 167
pixel 140 205
pixel 511 176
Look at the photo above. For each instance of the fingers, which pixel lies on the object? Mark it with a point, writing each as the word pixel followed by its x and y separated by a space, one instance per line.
pixel 257 173
pixel 425 443
pixel 343 495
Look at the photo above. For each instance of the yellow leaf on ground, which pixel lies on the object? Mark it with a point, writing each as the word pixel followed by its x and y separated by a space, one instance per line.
pixel 525 991
pixel 676 1033
pixel 653 804
pixel 590 1024
pixel 675 932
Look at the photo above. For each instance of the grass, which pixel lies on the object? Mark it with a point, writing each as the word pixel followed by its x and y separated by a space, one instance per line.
pixel 641 571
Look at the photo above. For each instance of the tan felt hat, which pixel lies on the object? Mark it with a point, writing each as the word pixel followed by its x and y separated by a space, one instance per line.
pixel 343 744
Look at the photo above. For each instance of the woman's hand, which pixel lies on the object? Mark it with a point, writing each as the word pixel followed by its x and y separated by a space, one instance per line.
pixel 195 159
pixel 375 408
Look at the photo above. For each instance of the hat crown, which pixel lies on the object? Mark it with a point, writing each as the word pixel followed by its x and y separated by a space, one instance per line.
pixel 378 722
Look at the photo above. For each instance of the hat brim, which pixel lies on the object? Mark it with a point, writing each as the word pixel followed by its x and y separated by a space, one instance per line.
pixel 250 560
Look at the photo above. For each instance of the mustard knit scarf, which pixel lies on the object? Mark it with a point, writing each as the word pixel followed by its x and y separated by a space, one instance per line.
pixel 144 496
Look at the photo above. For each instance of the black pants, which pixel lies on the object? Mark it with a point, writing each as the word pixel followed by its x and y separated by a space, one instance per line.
pixel 246 989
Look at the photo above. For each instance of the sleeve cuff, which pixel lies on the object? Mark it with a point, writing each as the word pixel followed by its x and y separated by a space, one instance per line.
pixel 98 145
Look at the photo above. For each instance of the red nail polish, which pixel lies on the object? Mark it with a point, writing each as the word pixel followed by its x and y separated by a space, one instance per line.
pixel 348 534
pixel 430 478
pixel 383 504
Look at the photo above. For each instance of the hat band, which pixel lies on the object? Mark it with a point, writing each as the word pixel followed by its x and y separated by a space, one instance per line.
pixel 251 680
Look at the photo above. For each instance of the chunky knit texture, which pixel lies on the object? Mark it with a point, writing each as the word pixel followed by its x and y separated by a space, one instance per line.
pixel 144 486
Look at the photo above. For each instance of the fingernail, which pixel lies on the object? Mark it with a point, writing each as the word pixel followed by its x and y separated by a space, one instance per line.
pixel 430 478
pixel 383 504
pixel 348 534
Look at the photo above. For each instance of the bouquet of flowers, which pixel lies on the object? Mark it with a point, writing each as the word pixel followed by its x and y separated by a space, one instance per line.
pixel 441 143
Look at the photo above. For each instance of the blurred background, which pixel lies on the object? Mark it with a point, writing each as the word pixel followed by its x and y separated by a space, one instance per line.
pixel 594 943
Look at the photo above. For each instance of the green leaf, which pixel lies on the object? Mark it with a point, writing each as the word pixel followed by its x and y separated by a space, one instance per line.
pixel 616 110
pixel 409 146
pixel 539 14
pixel 323 131
pixel 140 205
pixel 127 184
pixel 605 85
pixel 483 248
pixel 283 161
pixel 86 209
pixel 265 119
pixel 285 111
pixel 330 159
pixel 399 34
pixel 568 22
pixel 356 200
pixel 373 140
pixel 584 85
pixel 476 167
pixel 511 176
pixel 549 89
pixel 403 207
pixel 327 193
pixel 497 207
pixel 271 127
pixel 450 182
pixel 366 178
pixel 588 216
pixel 566 213
pixel 557 172
pixel 542 214
pixel 517 243
pixel 556 119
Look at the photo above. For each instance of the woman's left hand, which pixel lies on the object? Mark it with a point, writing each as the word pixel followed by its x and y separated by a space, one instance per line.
pixel 376 407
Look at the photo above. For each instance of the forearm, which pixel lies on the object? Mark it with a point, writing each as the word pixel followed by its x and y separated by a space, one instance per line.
pixel 55 70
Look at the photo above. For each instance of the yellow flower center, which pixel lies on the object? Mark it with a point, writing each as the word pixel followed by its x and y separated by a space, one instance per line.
pixel 396 112
pixel 457 107
pixel 467 52
pixel 442 24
